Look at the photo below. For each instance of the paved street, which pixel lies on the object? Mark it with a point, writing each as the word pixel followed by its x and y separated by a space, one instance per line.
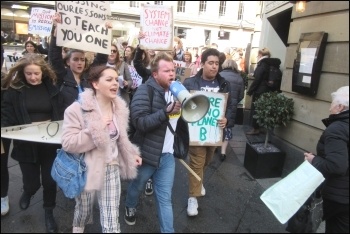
pixel 232 203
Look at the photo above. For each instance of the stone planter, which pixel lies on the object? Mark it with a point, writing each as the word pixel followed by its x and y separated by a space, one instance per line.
pixel 263 164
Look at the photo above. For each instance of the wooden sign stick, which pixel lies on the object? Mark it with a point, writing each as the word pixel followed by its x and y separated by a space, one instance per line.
pixel 188 168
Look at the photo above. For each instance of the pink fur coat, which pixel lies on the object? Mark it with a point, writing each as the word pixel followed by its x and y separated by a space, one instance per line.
pixel 92 137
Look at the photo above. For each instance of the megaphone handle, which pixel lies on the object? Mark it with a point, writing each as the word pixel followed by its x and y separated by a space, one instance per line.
pixel 188 168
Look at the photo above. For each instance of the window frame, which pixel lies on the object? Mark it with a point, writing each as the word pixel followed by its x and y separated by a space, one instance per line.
pixel 240 10
pixel 222 8
pixel 181 6
pixel 135 4
pixel 202 7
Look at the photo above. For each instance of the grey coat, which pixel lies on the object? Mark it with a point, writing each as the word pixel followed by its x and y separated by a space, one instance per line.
pixel 237 88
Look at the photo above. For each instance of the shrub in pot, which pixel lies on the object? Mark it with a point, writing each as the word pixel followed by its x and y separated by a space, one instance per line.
pixel 273 109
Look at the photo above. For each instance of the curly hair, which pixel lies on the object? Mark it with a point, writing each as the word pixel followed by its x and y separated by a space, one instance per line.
pixel 16 78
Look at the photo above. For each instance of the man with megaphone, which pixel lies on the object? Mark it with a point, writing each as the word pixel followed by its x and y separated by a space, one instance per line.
pixel 207 79
pixel 152 108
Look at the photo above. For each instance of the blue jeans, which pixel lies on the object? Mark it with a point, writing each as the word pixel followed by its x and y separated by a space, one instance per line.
pixel 163 180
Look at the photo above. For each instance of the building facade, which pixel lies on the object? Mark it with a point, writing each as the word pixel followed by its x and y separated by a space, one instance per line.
pixel 303 132
pixel 199 23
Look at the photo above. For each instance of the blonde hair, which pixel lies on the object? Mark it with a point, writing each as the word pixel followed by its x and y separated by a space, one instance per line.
pixel 178 40
pixel 265 52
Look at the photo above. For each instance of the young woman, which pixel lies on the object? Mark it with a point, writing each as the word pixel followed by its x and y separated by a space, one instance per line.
pixel 129 55
pixel 189 64
pixel 109 154
pixel 114 60
pixel 32 96
pixel 30 47
pixel 71 78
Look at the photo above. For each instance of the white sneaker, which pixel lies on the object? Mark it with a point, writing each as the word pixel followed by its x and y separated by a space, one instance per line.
pixel 5 207
pixel 192 207
pixel 78 230
pixel 203 191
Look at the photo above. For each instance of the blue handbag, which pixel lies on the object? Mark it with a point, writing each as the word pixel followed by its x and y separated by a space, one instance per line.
pixel 69 172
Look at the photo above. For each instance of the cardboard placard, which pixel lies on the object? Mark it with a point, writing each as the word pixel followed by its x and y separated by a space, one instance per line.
pixel 40 21
pixel 11 59
pixel 83 26
pixel 182 73
pixel 206 132
pixel 157 24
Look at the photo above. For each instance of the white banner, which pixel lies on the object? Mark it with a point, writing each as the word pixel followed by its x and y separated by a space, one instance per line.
pixel 285 197
pixel 83 25
pixel 40 21
pixel 11 57
pixel 43 132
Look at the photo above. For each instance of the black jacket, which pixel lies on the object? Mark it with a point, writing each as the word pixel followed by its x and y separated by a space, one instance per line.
pixel 194 83
pixel 14 112
pixel 144 72
pixel 261 75
pixel 332 158
pixel 150 121
pixel 65 79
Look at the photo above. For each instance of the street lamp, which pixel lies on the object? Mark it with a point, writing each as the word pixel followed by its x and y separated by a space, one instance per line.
pixel 299 5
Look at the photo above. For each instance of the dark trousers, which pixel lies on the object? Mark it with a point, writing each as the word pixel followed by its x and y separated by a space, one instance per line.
pixel 31 174
pixel 255 125
pixel 336 216
pixel 4 167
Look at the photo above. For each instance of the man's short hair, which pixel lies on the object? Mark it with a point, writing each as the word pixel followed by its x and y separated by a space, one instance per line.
pixel 209 52
pixel 160 56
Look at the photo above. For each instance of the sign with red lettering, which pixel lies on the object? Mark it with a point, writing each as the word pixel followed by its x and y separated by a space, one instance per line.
pixel 157 24
pixel 40 21
pixel 83 25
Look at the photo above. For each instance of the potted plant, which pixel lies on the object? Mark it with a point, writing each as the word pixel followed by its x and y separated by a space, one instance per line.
pixel 264 160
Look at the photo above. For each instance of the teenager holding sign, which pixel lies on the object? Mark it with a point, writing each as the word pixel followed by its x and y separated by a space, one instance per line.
pixel 69 71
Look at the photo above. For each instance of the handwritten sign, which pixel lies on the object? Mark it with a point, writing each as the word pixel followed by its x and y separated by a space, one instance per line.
pixel 157 24
pixel 11 59
pixel 83 25
pixel 40 21
pixel 206 131
pixel 136 78
pixel 178 63
pixel 182 73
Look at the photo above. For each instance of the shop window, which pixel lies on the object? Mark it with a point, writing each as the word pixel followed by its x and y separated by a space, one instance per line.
pixel 226 36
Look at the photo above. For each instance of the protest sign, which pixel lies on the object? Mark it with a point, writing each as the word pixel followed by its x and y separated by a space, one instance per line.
pixel 206 131
pixel 182 73
pixel 43 132
pixel 83 26
pixel 178 63
pixel 11 58
pixel 40 21
pixel 157 24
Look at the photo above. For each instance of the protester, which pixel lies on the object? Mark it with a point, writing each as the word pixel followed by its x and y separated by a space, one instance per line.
pixel 142 63
pixel 69 71
pixel 332 160
pixel 30 47
pixel 178 49
pixel 100 133
pixel 189 64
pixel 259 85
pixel 42 47
pixel 150 116
pixel 231 73
pixel 129 55
pixel 33 97
pixel 207 79
pixel 114 60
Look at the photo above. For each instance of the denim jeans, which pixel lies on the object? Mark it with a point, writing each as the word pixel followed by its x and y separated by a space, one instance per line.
pixel 163 179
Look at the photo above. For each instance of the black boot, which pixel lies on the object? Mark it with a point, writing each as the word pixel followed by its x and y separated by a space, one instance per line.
pixel 223 157
pixel 24 201
pixel 51 226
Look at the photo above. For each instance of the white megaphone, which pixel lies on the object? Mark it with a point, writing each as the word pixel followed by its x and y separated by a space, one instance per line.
pixel 193 107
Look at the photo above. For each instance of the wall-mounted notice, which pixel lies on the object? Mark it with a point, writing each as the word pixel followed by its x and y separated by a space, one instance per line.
pixel 157 24
pixel 206 131
pixel 83 25
pixel 40 21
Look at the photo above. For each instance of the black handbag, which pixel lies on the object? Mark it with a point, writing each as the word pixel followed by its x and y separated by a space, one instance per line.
pixel 308 218
pixel 180 147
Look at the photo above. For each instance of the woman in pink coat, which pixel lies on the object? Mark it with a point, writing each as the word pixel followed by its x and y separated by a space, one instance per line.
pixel 97 125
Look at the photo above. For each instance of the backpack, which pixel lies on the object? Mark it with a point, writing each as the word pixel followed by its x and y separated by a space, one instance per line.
pixel 274 79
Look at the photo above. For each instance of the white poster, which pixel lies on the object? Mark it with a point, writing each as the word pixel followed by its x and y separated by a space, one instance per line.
pixel 40 21
pixel 157 24
pixel 83 26
pixel 11 57
pixel 307 58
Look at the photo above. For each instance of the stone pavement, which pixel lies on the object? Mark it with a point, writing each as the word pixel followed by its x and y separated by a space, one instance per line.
pixel 231 205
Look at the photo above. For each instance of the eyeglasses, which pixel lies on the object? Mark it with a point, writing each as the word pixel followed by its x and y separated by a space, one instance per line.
pixel 113 51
